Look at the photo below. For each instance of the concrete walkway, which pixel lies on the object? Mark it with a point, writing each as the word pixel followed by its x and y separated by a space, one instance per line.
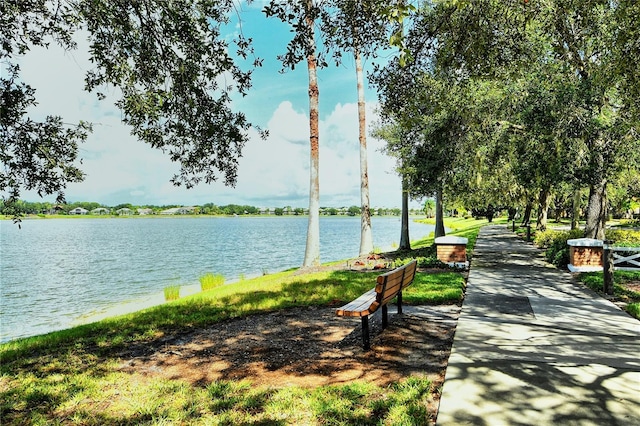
pixel 533 347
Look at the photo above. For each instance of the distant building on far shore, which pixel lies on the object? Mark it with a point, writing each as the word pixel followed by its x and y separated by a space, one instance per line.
pixel 179 210
pixel 100 211
pixel 78 210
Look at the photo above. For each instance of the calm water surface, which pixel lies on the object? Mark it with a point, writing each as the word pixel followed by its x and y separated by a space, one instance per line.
pixel 54 271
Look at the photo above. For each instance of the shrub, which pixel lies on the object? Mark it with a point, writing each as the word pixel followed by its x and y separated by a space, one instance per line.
pixel 551 237
pixel 172 292
pixel 431 262
pixel 423 262
pixel 209 281
pixel 557 250
pixel 555 243
pixel 401 262
pixel 623 237
pixel 561 258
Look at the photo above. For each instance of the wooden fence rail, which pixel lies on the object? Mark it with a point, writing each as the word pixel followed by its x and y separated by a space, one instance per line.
pixel 626 258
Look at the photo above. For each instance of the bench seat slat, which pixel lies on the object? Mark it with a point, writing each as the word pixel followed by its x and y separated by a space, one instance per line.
pixel 362 306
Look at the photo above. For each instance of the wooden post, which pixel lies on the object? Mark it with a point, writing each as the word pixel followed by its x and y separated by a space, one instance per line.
pixel 385 317
pixel 607 260
pixel 513 226
pixel 528 232
pixel 365 333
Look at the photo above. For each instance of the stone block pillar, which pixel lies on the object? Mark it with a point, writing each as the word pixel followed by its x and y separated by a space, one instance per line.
pixel 452 250
pixel 585 255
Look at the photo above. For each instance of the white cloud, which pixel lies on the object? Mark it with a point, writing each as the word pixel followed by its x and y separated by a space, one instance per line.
pixel 272 172
pixel 291 125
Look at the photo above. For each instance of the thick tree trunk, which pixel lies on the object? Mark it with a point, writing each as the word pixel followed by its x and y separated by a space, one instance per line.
pixel 597 211
pixel 312 251
pixel 405 243
pixel 366 238
pixel 526 217
pixel 575 209
pixel 559 209
pixel 544 199
pixel 439 231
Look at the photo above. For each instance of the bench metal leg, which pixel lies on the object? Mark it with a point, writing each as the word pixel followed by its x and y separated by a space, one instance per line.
pixel 365 332
pixel 400 302
pixel 385 320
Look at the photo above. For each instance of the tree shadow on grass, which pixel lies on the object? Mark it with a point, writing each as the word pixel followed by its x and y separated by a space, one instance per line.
pixel 204 342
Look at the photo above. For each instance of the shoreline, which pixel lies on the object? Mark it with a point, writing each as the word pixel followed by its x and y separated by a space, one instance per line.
pixel 186 216
pixel 157 299
pixel 140 304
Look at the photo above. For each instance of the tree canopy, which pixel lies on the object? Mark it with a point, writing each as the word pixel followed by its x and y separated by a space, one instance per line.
pixel 505 102
pixel 171 65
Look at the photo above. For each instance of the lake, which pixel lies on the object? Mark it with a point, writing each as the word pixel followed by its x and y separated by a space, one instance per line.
pixel 56 272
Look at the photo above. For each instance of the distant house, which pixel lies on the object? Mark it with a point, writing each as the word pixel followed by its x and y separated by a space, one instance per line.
pixel 57 209
pixel 187 210
pixel 124 212
pixel 170 211
pixel 179 210
pixel 100 211
pixel 144 212
pixel 78 210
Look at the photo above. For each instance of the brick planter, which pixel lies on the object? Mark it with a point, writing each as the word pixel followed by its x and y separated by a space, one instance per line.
pixel 585 255
pixel 452 250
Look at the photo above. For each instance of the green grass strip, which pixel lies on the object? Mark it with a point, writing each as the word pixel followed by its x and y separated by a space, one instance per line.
pixel 595 281
pixel 74 376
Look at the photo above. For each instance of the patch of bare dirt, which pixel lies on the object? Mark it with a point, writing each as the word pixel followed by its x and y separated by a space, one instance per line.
pixel 633 285
pixel 306 347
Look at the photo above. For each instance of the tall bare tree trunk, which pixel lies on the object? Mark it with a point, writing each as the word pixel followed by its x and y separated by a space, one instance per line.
pixel 366 238
pixel 439 231
pixel 575 209
pixel 405 243
pixel 544 199
pixel 596 211
pixel 312 251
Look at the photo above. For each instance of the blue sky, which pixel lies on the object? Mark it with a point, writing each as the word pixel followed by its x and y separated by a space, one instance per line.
pixel 272 172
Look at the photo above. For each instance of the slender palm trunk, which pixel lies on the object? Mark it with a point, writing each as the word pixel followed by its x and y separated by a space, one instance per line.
pixel 312 251
pixel 439 231
pixel 366 238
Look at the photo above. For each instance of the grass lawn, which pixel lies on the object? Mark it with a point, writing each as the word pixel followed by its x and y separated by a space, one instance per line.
pixel 73 376
pixel 626 288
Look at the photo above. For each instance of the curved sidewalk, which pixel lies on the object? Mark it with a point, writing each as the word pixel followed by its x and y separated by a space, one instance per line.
pixel 533 347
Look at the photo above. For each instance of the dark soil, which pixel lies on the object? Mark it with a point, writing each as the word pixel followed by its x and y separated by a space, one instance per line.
pixel 306 347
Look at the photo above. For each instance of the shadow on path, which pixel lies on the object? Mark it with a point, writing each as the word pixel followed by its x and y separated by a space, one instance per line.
pixel 533 347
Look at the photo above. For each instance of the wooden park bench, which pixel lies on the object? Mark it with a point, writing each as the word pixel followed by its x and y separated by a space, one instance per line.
pixel 389 286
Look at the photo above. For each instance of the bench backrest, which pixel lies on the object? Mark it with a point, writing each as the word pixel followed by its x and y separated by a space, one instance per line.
pixel 391 283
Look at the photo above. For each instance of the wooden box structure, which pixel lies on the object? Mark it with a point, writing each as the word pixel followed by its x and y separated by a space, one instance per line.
pixel 452 250
pixel 585 255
